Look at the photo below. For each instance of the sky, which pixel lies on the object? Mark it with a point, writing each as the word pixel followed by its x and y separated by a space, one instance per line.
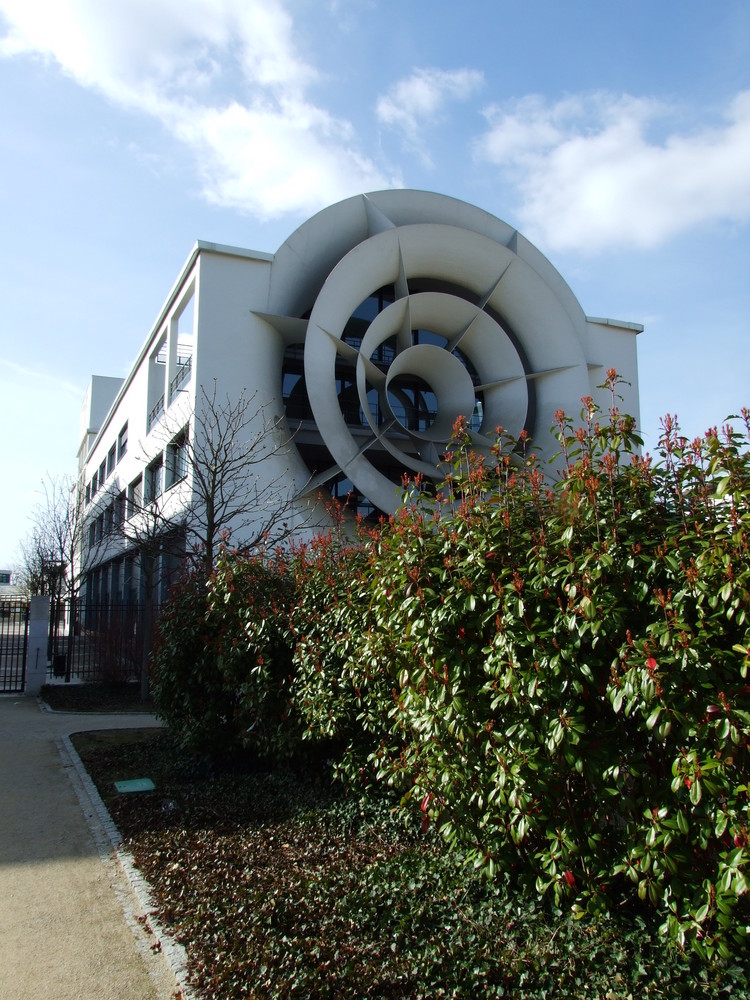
pixel 614 135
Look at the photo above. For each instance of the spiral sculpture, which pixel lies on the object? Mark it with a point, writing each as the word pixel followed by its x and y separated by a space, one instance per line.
pixel 405 310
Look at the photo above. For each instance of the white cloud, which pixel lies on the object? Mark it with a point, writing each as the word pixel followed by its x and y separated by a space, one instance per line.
pixel 224 76
pixel 260 159
pixel 590 175
pixel 130 51
pixel 39 378
pixel 420 99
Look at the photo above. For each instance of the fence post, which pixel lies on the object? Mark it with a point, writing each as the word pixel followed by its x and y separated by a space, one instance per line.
pixel 36 650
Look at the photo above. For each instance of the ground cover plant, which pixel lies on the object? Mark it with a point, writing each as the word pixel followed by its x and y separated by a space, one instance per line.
pixel 551 679
pixel 94 697
pixel 281 885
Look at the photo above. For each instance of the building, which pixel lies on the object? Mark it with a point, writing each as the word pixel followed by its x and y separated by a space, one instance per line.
pixel 358 344
pixel 9 589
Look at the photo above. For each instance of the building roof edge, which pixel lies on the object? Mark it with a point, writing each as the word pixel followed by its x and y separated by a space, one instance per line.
pixel 619 323
pixel 230 251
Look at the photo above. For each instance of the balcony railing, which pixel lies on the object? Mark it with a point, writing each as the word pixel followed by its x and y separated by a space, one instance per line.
pixel 154 414
pixel 183 374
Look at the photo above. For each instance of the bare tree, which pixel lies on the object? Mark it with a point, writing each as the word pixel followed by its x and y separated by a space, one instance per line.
pixel 38 570
pixel 231 495
pixel 65 540
pixel 50 552
pixel 51 562
pixel 152 536
pixel 226 494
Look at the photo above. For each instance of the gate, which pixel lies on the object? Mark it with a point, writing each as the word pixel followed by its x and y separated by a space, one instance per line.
pixel 14 636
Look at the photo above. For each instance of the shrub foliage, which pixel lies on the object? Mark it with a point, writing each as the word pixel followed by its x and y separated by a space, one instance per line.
pixel 571 698
pixel 552 675
pixel 221 669
pixel 341 695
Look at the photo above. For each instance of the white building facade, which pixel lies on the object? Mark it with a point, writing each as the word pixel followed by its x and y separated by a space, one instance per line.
pixel 377 324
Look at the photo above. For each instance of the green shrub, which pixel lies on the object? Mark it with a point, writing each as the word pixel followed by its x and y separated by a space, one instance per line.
pixel 221 668
pixel 553 676
pixel 342 696
pixel 570 670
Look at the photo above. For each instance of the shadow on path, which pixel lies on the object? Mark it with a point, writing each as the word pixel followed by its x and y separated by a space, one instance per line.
pixel 63 928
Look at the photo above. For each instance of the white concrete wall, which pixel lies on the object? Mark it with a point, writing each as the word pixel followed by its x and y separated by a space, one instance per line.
pixel 36 649
pixel 614 345
pixel 244 354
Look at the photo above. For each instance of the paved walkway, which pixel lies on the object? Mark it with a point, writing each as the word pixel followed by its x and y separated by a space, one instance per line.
pixel 69 927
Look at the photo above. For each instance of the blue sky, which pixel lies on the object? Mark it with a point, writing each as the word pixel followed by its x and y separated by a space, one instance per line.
pixel 616 136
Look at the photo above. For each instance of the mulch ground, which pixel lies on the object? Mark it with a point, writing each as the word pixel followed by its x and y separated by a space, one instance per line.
pixel 280 885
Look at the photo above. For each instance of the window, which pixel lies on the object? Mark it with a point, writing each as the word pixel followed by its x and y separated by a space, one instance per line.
pixel 4 578
pixel 94 484
pixel 119 512
pixel 122 442
pixel 115 577
pixel 109 519
pixel 177 459
pixel 92 587
pixel 129 581
pixel 154 480
pixel 92 534
pixel 135 496
pixel 102 473
pixel 111 459
pixel 88 493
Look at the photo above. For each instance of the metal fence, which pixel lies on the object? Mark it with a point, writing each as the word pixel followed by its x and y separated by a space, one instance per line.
pixel 101 642
pixel 14 631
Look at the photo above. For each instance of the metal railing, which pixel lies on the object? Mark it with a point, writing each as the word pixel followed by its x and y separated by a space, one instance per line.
pixel 155 412
pixel 183 374
pixel 96 642
pixel 14 631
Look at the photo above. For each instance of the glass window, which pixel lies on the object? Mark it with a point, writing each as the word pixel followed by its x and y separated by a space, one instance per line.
pixel 135 496
pixel 120 502
pixel 177 459
pixel 154 480
pixel 122 442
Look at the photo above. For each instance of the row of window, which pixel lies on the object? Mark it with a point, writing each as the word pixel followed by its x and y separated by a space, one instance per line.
pixel 149 487
pixel 119 584
pixel 111 518
pixel 105 470
pixel 167 469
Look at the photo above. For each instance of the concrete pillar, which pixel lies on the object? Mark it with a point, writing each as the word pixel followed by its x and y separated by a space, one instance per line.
pixel 36 650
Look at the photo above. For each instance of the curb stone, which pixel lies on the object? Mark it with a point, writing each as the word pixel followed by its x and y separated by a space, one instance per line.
pixel 108 840
pixel 45 707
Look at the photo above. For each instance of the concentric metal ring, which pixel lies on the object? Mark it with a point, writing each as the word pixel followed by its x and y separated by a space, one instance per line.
pixel 478 324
